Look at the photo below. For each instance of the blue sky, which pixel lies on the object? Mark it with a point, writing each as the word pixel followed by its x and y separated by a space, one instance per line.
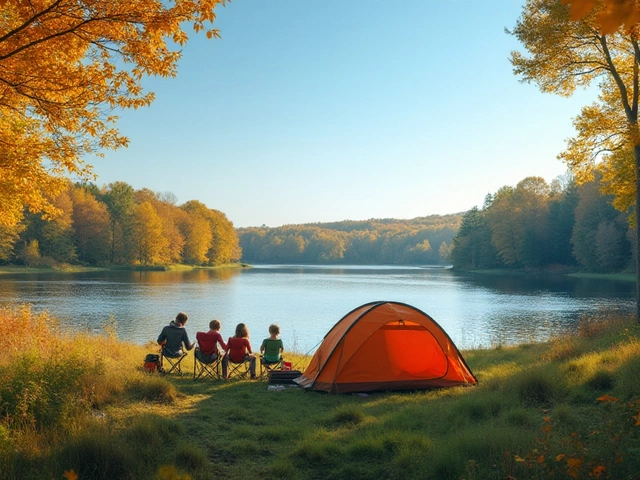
pixel 312 111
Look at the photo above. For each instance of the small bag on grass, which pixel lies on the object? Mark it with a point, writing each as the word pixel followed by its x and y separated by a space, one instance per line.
pixel 152 363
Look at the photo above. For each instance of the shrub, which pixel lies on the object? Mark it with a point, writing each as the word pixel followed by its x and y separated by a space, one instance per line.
pixel 602 381
pixel 153 389
pixel 538 387
pixel 97 455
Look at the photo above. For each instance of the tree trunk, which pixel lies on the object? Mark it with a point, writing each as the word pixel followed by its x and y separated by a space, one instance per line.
pixel 636 151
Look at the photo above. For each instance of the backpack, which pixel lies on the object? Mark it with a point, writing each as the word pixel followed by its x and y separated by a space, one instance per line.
pixel 152 363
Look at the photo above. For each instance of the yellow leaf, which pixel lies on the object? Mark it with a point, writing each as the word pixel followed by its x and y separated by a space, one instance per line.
pixel 70 474
pixel 519 458
pixel 560 457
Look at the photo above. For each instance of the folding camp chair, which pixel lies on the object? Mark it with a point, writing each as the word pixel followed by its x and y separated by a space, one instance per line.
pixel 240 370
pixel 202 367
pixel 272 349
pixel 174 362
pixel 267 367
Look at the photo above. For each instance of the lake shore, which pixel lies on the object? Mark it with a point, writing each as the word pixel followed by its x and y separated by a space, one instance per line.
pixel 539 411
pixel 17 269
pixel 626 277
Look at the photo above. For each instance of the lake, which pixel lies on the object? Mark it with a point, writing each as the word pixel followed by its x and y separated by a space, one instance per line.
pixel 306 301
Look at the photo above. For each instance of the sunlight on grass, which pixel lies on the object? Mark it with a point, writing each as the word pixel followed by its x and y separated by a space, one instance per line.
pixel 81 403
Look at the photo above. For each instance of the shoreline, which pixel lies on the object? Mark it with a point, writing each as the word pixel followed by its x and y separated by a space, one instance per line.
pixel 17 269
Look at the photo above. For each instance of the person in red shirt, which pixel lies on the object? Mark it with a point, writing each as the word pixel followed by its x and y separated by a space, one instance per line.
pixel 239 350
pixel 208 343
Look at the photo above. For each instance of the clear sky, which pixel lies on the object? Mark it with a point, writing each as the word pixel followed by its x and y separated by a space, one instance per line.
pixel 312 111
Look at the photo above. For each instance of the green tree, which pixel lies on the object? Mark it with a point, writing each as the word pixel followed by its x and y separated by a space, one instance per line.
pixel 9 235
pixel 472 247
pixel 118 197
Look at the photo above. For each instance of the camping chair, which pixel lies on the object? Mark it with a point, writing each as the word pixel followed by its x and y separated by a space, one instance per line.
pixel 271 351
pixel 267 367
pixel 204 368
pixel 241 370
pixel 174 362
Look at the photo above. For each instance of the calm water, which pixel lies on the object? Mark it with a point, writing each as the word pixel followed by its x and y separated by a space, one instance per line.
pixel 307 301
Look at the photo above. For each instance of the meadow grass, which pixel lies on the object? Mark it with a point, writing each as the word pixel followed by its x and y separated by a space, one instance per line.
pixel 81 405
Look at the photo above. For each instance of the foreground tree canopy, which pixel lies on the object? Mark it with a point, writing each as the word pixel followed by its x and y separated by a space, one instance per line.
pixel 65 67
pixel 610 15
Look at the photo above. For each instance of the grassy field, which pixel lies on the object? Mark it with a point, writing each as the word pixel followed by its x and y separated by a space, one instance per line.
pixel 81 407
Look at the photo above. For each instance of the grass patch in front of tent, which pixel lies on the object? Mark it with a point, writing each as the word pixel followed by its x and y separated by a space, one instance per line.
pixel 565 407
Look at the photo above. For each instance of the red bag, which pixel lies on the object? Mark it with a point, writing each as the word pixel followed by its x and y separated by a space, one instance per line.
pixel 152 363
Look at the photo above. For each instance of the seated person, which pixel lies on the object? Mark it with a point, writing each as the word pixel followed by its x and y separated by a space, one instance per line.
pixel 239 350
pixel 208 343
pixel 174 336
pixel 272 347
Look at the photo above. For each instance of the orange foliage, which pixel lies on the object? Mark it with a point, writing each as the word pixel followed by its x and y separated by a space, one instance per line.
pixel 65 65
pixel 610 15
pixel 22 331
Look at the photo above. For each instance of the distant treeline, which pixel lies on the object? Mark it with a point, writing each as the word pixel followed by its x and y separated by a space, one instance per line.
pixel 117 225
pixel 536 225
pixel 420 241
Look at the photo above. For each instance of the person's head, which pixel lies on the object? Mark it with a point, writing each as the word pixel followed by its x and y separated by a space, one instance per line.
pixel 181 318
pixel 242 331
pixel 274 329
pixel 214 325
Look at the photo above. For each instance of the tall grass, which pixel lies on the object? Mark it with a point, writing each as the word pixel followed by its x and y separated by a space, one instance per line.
pixel 568 408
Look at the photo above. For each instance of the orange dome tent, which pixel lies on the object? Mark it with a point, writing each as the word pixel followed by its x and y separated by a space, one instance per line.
pixel 385 346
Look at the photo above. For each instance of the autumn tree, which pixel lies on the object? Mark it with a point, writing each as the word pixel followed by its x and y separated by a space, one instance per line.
pixel 66 67
pixel 563 54
pixel 610 15
pixel 146 234
pixel 92 227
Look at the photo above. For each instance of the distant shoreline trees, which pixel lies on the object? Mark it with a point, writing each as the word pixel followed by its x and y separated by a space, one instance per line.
pixel 540 226
pixel 117 225
pixel 420 241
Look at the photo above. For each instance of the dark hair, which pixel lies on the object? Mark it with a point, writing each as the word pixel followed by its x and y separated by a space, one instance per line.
pixel 242 331
pixel 274 329
pixel 182 318
pixel 214 324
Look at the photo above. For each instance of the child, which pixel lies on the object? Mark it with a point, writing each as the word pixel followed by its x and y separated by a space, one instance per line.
pixel 239 350
pixel 272 347
pixel 174 335
pixel 208 343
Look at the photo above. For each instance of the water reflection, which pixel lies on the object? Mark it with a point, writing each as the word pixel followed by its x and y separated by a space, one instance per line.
pixel 306 301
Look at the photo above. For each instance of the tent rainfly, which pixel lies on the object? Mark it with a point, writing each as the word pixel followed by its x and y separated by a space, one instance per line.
pixel 385 346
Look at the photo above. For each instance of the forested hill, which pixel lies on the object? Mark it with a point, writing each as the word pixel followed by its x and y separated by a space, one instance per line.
pixel 419 241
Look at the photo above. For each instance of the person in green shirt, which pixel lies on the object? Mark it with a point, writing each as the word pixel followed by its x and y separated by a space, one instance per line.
pixel 272 347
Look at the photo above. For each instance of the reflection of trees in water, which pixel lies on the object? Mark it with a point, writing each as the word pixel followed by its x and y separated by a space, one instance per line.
pixel 178 276
pixel 536 284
